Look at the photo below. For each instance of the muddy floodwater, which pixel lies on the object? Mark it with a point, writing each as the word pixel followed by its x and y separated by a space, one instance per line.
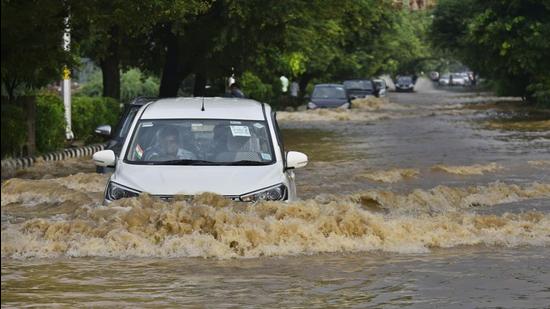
pixel 433 199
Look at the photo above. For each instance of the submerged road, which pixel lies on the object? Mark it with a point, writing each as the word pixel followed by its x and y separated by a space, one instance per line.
pixel 433 199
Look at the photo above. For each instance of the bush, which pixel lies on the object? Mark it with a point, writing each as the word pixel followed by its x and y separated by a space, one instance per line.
pixel 14 131
pixel 50 123
pixel 254 88
pixel 133 83
pixel 89 112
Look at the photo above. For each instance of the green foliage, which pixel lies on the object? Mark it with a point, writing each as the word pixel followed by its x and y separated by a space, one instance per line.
pixel 14 131
pixel 133 84
pixel 32 53
pixel 89 112
pixel 254 88
pixel 506 41
pixel 50 123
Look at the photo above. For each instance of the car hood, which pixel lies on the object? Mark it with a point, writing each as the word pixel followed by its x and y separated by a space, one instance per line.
pixel 190 180
pixel 360 91
pixel 329 102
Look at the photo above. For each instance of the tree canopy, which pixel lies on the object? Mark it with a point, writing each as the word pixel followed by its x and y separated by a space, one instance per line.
pixel 506 41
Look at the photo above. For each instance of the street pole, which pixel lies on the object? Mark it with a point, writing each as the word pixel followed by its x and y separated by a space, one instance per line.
pixel 67 82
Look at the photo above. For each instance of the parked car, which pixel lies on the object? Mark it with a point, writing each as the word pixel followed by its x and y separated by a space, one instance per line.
pixel 404 83
pixel 186 146
pixel 380 87
pixel 359 88
pixel 329 96
pixel 117 137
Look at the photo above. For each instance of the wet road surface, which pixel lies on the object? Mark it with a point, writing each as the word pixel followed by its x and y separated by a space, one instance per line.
pixel 437 199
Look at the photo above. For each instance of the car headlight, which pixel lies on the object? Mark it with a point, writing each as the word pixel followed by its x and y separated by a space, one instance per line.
pixel 275 193
pixel 115 192
pixel 311 105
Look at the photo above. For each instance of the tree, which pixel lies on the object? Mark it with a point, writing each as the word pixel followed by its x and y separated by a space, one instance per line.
pixel 111 32
pixel 32 51
pixel 503 40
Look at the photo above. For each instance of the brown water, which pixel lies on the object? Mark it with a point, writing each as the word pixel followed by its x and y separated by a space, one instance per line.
pixel 418 203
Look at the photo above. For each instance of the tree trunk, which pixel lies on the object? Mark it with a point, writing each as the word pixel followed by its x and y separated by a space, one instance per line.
pixel 110 68
pixel 29 106
pixel 171 79
pixel 199 89
pixel 303 82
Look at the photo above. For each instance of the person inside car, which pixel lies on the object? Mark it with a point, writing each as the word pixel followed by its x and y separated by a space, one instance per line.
pixel 169 147
pixel 235 91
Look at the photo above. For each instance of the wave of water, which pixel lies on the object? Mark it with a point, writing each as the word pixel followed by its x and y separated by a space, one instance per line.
pixel 63 217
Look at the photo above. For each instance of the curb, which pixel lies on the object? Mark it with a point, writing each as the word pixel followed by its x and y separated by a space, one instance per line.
pixel 24 162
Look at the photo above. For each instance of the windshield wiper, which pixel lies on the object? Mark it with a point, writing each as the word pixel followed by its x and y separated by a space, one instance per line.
pixel 245 162
pixel 185 162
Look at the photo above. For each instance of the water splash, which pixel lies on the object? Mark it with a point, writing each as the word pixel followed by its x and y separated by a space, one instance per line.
pixel 212 226
pixel 391 175
pixel 476 169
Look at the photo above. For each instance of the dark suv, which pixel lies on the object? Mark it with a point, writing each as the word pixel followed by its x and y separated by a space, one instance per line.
pixel 359 88
pixel 117 137
pixel 329 96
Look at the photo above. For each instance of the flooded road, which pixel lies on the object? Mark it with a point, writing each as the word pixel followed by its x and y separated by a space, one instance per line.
pixel 426 200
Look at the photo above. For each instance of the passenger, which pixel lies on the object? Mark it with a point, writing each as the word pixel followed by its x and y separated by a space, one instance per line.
pixel 235 91
pixel 169 147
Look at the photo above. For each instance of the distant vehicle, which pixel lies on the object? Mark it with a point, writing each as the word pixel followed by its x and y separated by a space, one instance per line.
pixel 359 88
pixel 187 146
pixel 380 87
pixel 404 83
pixel 444 80
pixel 329 96
pixel 458 79
pixel 117 137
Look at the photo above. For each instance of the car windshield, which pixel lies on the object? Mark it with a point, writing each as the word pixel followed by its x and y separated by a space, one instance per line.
pixel 358 84
pixel 200 142
pixel 404 79
pixel 337 92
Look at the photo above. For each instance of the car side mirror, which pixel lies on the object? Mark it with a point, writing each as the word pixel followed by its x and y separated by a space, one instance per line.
pixel 104 158
pixel 103 130
pixel 295 159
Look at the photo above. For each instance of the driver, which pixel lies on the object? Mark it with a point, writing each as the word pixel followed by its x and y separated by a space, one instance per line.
pixel 169 147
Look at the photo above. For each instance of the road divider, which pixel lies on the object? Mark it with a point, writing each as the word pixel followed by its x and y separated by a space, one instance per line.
pixel 13 164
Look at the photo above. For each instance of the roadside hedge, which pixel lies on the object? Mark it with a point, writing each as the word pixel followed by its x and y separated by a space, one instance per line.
pixel 50 123
pixel 13 131
pixel 87 113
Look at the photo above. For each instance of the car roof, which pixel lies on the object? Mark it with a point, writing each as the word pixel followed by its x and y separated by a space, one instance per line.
pixel 140 101
pixel 329 85
pixel 214 108
pixel 357 80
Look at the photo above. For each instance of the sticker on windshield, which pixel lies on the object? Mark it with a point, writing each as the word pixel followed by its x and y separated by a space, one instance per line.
pixel 235 122
pixel 266 156
pixel 240 131
pixel 258 125
pixel 139 152
pixel 147 124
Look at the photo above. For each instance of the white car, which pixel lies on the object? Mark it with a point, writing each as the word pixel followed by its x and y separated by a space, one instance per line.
pixel 444 80
pixel 186 146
